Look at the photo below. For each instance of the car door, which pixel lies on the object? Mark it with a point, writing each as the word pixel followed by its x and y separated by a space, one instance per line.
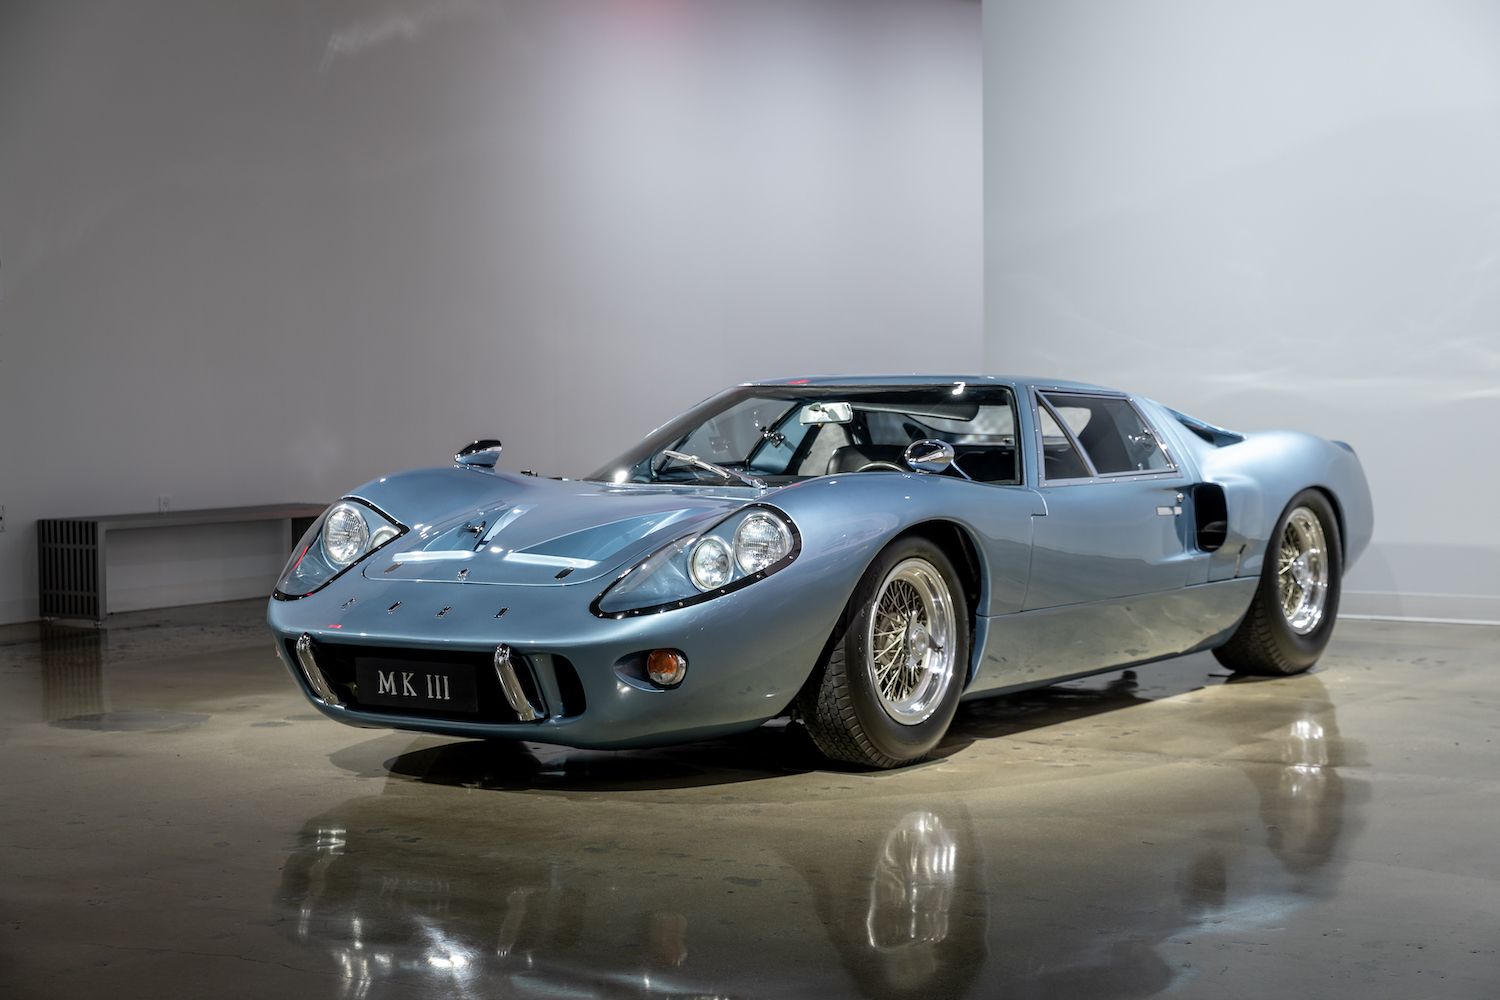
pixel 1114 500
pixel 1109 561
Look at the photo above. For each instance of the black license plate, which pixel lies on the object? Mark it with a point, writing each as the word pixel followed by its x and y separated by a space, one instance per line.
pixel 443 687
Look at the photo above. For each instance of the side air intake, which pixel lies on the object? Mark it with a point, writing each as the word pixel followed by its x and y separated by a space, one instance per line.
pixel 1210 516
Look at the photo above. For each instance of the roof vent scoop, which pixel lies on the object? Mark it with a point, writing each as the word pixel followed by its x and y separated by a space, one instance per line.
pixel 1216 436
pixel 484 453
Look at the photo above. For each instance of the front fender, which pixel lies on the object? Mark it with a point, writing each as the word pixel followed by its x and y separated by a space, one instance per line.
pixel 845 520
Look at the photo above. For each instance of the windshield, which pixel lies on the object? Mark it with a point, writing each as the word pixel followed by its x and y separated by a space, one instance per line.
pixel 782 434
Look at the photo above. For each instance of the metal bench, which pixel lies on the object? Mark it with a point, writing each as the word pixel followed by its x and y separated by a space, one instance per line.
pixel 70 550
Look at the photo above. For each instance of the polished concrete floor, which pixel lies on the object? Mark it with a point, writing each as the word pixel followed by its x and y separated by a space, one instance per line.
pixel 177 822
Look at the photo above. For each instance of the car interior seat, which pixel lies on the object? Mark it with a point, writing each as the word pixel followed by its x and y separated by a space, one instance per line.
pixel 855 457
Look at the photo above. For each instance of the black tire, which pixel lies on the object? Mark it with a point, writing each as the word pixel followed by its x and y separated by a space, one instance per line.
pixel 1266 642
pixel 842 705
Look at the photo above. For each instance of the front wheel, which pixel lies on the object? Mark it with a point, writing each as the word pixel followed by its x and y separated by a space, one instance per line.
pixel 1292 615
pixel 892 681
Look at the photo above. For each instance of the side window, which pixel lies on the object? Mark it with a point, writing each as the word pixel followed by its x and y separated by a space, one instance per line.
pixel 985 442
pixel 1060 460
pixel 1115 438
pixel 892 429
pixel 979 422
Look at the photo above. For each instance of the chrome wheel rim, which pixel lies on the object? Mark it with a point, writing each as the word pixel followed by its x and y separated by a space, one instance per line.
pixel 1302 571
pixel 911 640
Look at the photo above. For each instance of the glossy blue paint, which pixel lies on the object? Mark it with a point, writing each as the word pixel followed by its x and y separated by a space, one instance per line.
pixel 1053 644
pixel 1104 541
pixel 1073 579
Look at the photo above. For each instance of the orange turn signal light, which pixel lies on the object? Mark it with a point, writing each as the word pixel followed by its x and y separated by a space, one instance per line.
pixel 666 667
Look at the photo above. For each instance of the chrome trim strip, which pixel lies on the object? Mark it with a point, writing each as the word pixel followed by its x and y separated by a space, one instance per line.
pixel 315 678
pixel 511 685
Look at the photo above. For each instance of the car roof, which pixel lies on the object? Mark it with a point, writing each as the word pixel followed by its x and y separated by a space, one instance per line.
pixel 915 378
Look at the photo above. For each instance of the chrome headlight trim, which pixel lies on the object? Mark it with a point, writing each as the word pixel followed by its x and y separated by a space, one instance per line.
pixel 685 544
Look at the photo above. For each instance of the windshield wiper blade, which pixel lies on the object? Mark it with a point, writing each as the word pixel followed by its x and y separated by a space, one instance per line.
pixel 711 467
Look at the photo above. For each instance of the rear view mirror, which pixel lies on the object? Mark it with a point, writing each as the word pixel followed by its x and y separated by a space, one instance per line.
pixel 826 413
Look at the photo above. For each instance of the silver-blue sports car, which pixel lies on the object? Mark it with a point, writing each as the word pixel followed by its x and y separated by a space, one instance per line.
pixel 861 553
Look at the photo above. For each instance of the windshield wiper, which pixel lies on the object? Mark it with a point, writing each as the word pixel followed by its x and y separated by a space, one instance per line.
pixel 711 467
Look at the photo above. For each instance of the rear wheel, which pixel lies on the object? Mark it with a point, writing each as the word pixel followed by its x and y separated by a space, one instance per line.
pixel 892 681
pixel 1296 602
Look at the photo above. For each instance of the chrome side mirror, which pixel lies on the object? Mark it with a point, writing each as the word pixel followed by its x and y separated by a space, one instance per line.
pixel 484 453
pixel 929 455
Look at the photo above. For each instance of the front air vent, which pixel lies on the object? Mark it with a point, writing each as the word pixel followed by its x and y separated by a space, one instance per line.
pixel 337 667
pixel 569 686
pixel 336 662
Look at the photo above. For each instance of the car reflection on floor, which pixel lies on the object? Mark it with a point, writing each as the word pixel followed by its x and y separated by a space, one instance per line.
pixel 477 865
pixel 391 913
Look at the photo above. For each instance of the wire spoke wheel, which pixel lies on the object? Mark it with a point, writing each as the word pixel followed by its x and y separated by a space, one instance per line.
pixel 1302 571
pixel 895 668
pixel 912 641
pixel 1296 602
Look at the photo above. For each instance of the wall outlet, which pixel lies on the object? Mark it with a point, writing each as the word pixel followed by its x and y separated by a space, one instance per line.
pixel 163 503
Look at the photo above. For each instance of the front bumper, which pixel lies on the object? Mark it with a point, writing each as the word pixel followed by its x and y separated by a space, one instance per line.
pixel 748 654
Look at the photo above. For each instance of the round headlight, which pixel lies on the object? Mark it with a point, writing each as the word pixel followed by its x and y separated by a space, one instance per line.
pixel 345 534
pixel 382 534
pixel 762 539
pixel 709 565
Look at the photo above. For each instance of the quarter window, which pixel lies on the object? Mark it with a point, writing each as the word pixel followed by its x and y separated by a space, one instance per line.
pixel 1060 459
pixel 1113 435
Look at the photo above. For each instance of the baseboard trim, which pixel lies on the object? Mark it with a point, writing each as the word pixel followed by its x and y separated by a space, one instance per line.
pixel 1423 621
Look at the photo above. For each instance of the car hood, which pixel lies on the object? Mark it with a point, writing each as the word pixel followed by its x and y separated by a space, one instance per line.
pixel 481 528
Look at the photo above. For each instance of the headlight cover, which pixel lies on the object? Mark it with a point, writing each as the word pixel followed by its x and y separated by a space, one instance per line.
pixel 343 535
pixel 704 565
pixel 710 565
pixel 346 534
pixel 761 540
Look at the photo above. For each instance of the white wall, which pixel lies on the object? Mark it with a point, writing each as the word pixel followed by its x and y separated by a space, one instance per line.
pixel 1269 213
pixel 257 252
